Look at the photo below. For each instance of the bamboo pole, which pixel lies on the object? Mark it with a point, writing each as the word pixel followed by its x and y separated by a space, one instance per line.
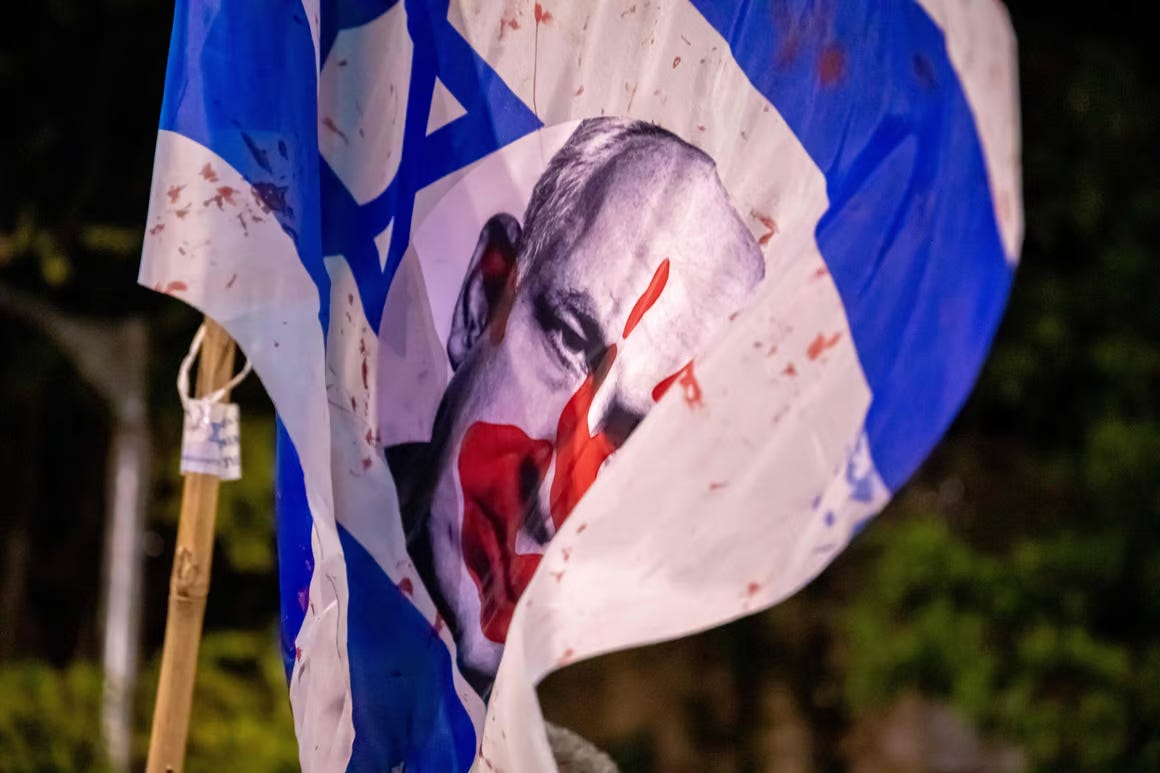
pixel 189 582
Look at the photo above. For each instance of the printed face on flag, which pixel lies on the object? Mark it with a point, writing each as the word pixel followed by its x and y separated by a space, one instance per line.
pixel 568 327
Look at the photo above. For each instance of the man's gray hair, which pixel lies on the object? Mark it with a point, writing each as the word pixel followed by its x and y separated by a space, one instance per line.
pixel 559 204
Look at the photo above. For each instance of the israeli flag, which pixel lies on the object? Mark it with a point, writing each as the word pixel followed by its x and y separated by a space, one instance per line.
pixel 587 324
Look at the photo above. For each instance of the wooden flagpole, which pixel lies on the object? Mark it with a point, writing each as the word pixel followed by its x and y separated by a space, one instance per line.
pixel 189 582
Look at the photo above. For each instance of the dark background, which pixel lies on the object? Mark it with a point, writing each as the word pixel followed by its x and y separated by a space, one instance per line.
pixel 1002 614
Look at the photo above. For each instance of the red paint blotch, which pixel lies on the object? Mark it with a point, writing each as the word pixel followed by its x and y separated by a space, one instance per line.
pixel 821 344
pixel 655 287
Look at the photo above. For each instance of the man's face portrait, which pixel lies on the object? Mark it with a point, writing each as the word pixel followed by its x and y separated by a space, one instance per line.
pixel 569 326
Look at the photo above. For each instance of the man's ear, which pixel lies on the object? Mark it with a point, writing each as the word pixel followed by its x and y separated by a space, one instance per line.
pixel 487 288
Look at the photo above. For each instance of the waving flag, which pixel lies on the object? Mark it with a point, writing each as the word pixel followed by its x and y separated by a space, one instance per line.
pixel 587 325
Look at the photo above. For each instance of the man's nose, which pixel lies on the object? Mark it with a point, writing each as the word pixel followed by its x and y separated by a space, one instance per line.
pixel 612 414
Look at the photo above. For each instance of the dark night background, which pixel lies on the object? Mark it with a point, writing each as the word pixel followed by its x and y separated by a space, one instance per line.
pixel 1002 614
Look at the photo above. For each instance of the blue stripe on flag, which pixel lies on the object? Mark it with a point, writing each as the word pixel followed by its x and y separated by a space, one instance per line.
pixel 241 82
pixel 295 554
pixel 910 236
pixel 406 710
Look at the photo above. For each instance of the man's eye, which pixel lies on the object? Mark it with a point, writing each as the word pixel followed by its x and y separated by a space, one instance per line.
pixel 572 338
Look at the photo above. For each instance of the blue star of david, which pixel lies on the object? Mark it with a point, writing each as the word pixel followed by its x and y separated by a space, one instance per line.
pixel 494 117
pixel 215 433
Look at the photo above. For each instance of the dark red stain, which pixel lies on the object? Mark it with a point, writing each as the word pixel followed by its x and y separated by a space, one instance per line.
pixel 298 653
pixel 329 125
pixel 353 404
pixel 181 213
pixel 752 589
pixel 370 438
pixel 676 61
pixel 821 344
pixel 821 272
pixel 350 299
pixel 790 370
pixel 176 287
pixel 174 192
pixel 769 223
pixel 366 463
pixel 718 485
pixel 364 374
pixel 227 194
pixel 649 297
pixel 542 15
pixel 341 63
pixel 230 283
pixel 580 529
pixel 209 174
pixel 157 229
pixel 831 64
pixel 406 586
pixel 498 275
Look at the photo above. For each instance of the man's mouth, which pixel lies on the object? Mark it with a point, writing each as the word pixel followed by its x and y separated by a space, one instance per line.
pixel 500 470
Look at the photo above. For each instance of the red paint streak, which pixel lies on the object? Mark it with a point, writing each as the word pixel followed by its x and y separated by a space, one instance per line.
pixel 370 438
pixel 752 589
pixel 230 283
pixel 406 586
pixel 663 386
pixel 676 61
pixel 500 470
pixel 718 485
pixel 821 344
pixel 579 91
pixel 353 404
pixel 157 229
pixel 298 653
pixel 580 529
pixel 579 454
pixel 772 350
pixel 790 370
pixel 769 223
pixel 176 287
pixel 174 192
pixel 350 298
pixel 821 272
pixel 329 125
pixel 542 15
pixel 209 174
pixel 650 295
pixel 831 64
pixel 227 194
pixel 364 374
pixel 505 24
pixel 700 127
